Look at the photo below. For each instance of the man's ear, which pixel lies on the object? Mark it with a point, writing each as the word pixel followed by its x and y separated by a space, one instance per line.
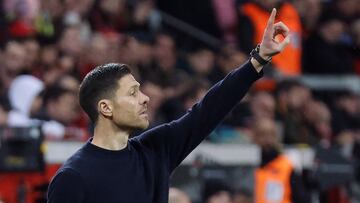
pixel 105 107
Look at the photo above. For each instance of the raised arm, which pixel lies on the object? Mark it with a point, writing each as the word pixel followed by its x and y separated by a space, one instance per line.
pixel 178 138
pixel 270 45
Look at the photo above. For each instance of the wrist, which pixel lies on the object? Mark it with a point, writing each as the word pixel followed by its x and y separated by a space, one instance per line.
pixel 266 58
pixel 259 56
pixel 258 67
pixel 258 59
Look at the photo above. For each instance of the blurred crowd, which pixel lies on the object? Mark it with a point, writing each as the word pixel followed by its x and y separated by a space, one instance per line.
pixel 48 46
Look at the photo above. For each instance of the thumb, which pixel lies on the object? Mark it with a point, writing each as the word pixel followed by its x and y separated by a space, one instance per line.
pixel 285 42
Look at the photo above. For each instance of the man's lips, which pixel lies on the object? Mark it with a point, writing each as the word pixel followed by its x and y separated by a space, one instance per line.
pixel 144 112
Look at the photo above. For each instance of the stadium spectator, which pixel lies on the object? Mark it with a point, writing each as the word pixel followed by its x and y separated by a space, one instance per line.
pixel 355 32
pixel 137 50
pixel 155 92
pixel 317 124
pixel 4 110
pixel 324 51
pixel 178 196
pixel 14 58
pixel 291 97
pixel 243 196
pixel 165 71
pixel 347 9
pixel 32 49
pixel 216 191
pixel 226 60
pixel 71 42
pixel 173 108
pixel 309 11
pixel 61 110
pixel 201 62
pixel 262 105
pixel 276 172
pixel 96 54
pixel 25 100
pixel 49 22
pixel 346 112
pixel 69 82
pixel 109 16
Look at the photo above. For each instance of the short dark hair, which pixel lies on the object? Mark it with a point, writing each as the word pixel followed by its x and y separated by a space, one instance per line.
pixel 100 83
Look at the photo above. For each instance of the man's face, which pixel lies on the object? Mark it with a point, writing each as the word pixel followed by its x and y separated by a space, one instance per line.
pixel 164 47
pixel 15 57
pixel 265 133
pixel 220 197
pixel 130 105
pixel 298 96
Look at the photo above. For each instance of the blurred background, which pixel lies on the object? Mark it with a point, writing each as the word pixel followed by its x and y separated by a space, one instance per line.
pixel 295 137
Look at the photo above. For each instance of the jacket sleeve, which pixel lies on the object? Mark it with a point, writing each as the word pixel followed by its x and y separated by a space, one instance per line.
pixel 66 187
pixel 178 138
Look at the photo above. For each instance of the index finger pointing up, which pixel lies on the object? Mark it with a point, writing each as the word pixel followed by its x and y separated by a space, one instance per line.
pixel 271 20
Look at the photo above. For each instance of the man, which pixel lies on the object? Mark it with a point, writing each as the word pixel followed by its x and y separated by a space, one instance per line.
pixel 275 179
pixel 110 167
pixel 25 100
pixel 60 105
pixel 61 113
pixel 216 191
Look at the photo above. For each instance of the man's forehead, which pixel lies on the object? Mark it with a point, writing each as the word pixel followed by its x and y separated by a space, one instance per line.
pixel 128 81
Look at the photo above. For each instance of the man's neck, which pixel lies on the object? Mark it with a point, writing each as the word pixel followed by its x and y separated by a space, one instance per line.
pixel 109 136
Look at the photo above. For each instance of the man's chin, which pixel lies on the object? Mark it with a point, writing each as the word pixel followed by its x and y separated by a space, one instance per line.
pixel 143 125
pixel 140 125
pixel 146 125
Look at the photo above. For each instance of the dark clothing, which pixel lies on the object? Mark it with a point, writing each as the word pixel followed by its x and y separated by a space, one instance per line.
pixel 199 14
pixel 298 130
pixel 246 34
pixel 344 120
pixel 356 156
pixel 140 172
pixel 321 57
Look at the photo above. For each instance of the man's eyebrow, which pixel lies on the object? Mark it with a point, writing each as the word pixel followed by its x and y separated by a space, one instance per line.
pixel 136 85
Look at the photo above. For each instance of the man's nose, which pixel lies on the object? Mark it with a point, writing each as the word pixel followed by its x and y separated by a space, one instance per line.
pixel 144 99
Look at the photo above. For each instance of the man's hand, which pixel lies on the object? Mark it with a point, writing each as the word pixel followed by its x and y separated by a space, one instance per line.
pixel 269 46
